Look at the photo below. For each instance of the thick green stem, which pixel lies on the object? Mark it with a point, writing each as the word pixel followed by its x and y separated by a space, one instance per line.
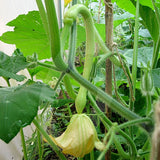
pixel 72 46
pixel 23 144
pixel 135 50
pixel 68 86
pixel 54 35
pixel 116 106
pixel 130 141
pixel 46 136
pixel 120 149
pixel 43 15
pixel 107 123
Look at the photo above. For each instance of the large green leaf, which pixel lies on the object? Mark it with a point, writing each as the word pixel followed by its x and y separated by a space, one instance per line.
pixel 118 19
pixel 144 56
pixel 150 21
pixel 156 77
pixel 146 12
pixel 19 105
pixel 28 35
pixel 10 65
pixel 126 5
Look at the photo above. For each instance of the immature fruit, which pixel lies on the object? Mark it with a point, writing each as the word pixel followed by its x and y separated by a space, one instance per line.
pixel 79 138
pixel 147 83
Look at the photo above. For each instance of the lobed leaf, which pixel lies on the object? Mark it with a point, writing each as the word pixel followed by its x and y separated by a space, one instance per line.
pixel 19 106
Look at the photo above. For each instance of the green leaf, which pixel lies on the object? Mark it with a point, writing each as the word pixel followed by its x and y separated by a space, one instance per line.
pixel 147 14
pixel 81 35
pixel 157 4
pixel 7 74
pixel 101 30
pixel 144 56
pixel 10 65
pixel 118 19
pixel 45 74
pixel 150 21
pixel 28 35
pixel 156 77
pixel 61 102
pixel 126 5
pixel 144 33
pixel 19 105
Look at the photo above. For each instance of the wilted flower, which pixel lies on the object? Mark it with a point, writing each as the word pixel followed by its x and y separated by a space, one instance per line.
pixel 79 138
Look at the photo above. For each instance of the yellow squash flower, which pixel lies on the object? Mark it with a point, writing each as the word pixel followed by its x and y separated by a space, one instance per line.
pixel 66 2
pixel 79 138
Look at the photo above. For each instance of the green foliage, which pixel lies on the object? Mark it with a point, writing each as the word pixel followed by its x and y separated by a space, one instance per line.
pixel 28 35
pixel 156 77
pixel 10 65
pixel 144 56
pixel 61 102
pixel 19 106
pixel 119 19
pixel 146 12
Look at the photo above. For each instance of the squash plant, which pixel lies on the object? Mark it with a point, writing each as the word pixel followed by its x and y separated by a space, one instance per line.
pixel 19 105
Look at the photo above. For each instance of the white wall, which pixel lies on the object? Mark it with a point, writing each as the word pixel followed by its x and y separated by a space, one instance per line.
pixel 9 10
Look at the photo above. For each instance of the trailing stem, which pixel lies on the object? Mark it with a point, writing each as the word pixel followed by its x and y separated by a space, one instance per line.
pixel 135 52
pixel 46 136
pixel 54 35
pixel 116 106
pixel 23 144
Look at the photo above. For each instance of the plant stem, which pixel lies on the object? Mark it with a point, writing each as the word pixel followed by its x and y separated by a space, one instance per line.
pixel 149 103
pixel 43 15
pixel 72 45
pixel 46 136
pixel 107 123
pixel 107 147
pixel 105 49
pixel 116 106
pixel 68 86
pixel 39 145
pixel 120 149
pixel 50 66
pixel 7 80
pixel 130 141
pixel 92 155
pixel 54 35
pixel 135 50
pixel 59 80
pixel 134 122
pixel 23 144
